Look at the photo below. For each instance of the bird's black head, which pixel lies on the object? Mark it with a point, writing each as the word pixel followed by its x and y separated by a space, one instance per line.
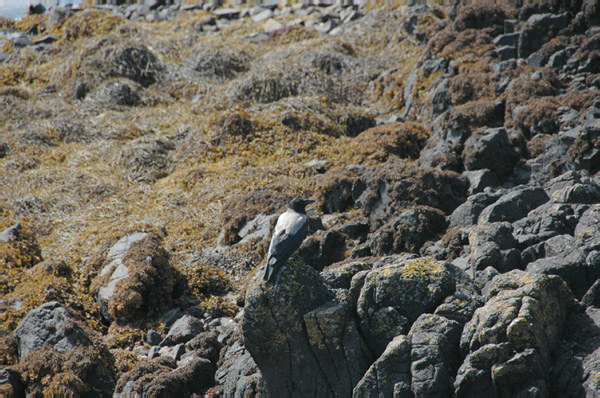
pixel 299 204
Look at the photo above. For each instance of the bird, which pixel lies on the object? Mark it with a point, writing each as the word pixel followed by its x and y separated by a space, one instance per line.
pixel 290 231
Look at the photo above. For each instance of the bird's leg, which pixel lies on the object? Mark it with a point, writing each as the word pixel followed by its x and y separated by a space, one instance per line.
pixel 277 280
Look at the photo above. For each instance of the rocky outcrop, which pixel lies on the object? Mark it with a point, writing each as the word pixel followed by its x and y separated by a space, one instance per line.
pixel 136 278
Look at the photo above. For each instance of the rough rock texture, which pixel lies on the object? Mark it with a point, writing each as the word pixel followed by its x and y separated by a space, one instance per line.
pixel 136 278
pixel 50 324
pixel 509 342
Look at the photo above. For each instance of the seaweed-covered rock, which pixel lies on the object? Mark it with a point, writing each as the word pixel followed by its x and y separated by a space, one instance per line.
pixel 404 140
pixel 395 295
pixel 147 159
pixel 383 191
pixel 509 341
pixel 162 377
pixel 409 231
pixel 334 190
pixel 183 330
pixel 539 29
pixel 490 149
pixel 136 63
pixel 136 279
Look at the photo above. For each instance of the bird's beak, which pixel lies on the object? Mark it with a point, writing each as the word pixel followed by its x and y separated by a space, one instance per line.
pixel 308 201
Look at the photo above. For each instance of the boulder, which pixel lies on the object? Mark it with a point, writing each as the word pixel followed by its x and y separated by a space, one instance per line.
pixel 395 295
pixel 238 373
pixel 468 212
pixel 514 205
pixel 288 352
pixel 409 231
pixel 539 29
pixel 493 245
pixel 492 150
pixel 136 279
pixel 162 377
pixel 509 342
pixel 389 375
pixel 383 191
pixel 49 324
pixel 183 330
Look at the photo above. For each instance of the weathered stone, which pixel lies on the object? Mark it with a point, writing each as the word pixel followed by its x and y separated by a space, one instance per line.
pixel 49 324
pixel 395 295
pixel 468 212
pixel 390 373
pixel 509 341
pixel 514 205
pixel 183 330
pixel 490 150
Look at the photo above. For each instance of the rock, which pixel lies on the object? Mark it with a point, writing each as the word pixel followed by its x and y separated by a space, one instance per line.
pixel 383 191
pixel 592 296
pixel 493 245
pixel 539 29
pixel 161 377
pixel 49 324
pixel 136 279
pixel 262 15
pixel 227 13
pixel 468 212
pixel 395 295
pixel 506 53
pixel 389 375
pixel 514 205
pixel 434 355
pixel 480 179
pixel 183 330
pixel 334 191
pixel 536 59
pixel 23 41
pixel 272 26
pixel 301 312
pixel 10 233
pixel 508 39
pixel 174 352
pixel 341 276
pixel 238 373
pixel 153 337
pixel 509 342
pixel 490 150
pixel 205 345
pixel 409 231
pixel 323 248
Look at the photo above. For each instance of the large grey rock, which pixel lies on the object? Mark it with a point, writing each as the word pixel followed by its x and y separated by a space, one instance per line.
pixel 539 29
pixel 49 324
pixel 490 149
pixel 509 342
pixel 395 295
pixel 468 212
pixel 390 373
pixel 238 374
pixel 493 245
pixel 275 333
pixel 514 205
pixel 183 330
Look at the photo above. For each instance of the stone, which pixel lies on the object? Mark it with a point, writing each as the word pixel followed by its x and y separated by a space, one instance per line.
pixel 468 212
pixel 10 233
pixel 536 59
pixel 275 334
pixel 183 330
pixel 490 150
pixel 49 324
pixel 272 26
pixel 11 383
pixel 153 337
pixel 174 352
pixel 262 16
pixel 506 53
pixel 539 29
pixel 514 205
pixel 395 295
pixel 510 39
pixel 509 342
pixel 389 375
pixel 480 179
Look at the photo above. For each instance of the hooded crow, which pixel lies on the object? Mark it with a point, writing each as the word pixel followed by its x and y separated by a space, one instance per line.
pixel 290 231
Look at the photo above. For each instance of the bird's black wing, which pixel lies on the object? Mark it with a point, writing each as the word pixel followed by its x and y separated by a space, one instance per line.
pixel 283 245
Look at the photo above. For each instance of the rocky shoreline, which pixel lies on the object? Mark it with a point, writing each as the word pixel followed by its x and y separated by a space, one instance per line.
pixel 453 153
